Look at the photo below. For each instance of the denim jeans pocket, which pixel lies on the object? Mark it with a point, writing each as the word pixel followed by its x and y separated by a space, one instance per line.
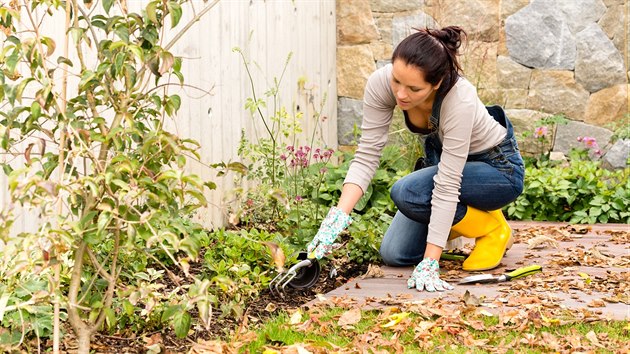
pixel 496 158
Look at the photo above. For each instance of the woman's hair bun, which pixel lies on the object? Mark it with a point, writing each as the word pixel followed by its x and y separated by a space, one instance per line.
pixel 450 36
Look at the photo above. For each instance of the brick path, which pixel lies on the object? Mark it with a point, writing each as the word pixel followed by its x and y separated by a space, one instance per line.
pixel 586 267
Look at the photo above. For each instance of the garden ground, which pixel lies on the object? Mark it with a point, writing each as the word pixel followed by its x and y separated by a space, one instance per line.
pixel 583 267
pixel 585 280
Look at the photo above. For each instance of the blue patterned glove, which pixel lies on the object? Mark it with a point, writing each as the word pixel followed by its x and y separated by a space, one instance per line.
pixel 427 276
pixel 322 244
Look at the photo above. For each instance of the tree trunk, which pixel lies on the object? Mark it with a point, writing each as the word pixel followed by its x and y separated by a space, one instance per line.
pixel 84 337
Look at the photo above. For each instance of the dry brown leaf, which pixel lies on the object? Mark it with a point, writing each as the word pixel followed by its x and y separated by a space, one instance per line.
pixel 350 317
pixel 524 300
pixel 277 254
pixel 373 271
pixel 470 299
pixel 295 349
pixel 208 347
pixel 592 337
pixel 580 229
pixel 271 307
pixel 541 241
pixel 596 303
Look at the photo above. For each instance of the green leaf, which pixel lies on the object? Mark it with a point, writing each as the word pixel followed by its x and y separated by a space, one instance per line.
pixel 175 11
pixel 122 31
pixel 20 89
pixel 110 317
pixel 36 110
pixel 128 307
pixel 107 5
pixel 119 61
pixel 137 51
pixel 151 10
pixel 77 34
pixel 50 45
pixel 170 312
pixel 181 323
pixel 64 60
pixel 12 61
pixel 86 77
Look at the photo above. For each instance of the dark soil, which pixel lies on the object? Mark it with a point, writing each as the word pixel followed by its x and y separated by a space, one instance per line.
pixel 258 310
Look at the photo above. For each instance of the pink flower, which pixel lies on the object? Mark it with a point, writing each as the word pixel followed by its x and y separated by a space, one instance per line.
pixel 540 132
pixel 590 142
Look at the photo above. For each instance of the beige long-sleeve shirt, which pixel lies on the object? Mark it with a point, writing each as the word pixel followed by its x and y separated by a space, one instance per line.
pixel 465 127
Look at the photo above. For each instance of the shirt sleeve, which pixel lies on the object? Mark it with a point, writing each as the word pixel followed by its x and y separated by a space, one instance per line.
pixel 378 108
pixel 456 124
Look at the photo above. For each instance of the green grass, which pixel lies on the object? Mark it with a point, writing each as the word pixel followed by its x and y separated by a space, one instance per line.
pixel 472 333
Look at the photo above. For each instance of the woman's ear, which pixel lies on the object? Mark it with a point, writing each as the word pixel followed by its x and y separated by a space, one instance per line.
pixel 437 87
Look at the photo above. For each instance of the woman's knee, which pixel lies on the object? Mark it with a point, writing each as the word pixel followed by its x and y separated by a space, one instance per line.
pixel 390 256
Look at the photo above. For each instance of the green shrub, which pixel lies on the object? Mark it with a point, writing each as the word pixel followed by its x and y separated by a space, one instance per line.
pixel 581 192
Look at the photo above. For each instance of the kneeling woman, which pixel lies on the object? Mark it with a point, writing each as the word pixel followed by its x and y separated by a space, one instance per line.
pixel 472 165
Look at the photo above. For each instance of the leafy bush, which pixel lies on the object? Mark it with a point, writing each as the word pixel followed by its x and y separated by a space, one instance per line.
pixel 581 192
pixel 99 166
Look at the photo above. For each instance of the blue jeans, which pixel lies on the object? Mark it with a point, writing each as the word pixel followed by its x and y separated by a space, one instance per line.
pixel 490 180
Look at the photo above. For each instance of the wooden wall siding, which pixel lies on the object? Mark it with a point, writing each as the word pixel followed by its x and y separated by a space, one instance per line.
pixel 266 31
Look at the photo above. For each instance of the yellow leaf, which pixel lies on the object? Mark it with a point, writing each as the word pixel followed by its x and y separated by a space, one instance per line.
pixel 270 351
pixel 585 276
pixel 395 319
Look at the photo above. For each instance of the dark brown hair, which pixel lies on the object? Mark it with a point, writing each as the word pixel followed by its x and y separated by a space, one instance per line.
pixel 434 51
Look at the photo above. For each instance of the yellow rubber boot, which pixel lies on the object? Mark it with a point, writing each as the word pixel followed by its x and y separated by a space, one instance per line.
pixel 493 237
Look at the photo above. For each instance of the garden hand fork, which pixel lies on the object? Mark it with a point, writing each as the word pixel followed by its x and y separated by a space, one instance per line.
pixel 302 275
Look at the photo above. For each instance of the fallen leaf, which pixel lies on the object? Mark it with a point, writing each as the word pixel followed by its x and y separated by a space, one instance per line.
pixel 485 313
pixel 470 299
pixel 373 271
pixel 596 303
pixel 271 307
pixel 207 347
pixel 395 319
pixel 541 241
pixel 296 317
pixel 592 337
pixel 350 317
pixel 580 229
pixel 296 348
pixel 277 254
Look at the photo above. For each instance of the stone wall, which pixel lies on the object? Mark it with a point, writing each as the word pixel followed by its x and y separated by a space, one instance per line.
pixel 536 58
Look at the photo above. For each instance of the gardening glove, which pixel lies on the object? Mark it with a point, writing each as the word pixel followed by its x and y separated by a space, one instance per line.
pixel 427 276
pixel 322 244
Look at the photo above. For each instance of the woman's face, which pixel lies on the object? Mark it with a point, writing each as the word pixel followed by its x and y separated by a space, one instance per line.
pixel 409 86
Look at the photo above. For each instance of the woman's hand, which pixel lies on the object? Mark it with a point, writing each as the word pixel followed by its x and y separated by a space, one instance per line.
pixel 427 276
pixel 323 243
